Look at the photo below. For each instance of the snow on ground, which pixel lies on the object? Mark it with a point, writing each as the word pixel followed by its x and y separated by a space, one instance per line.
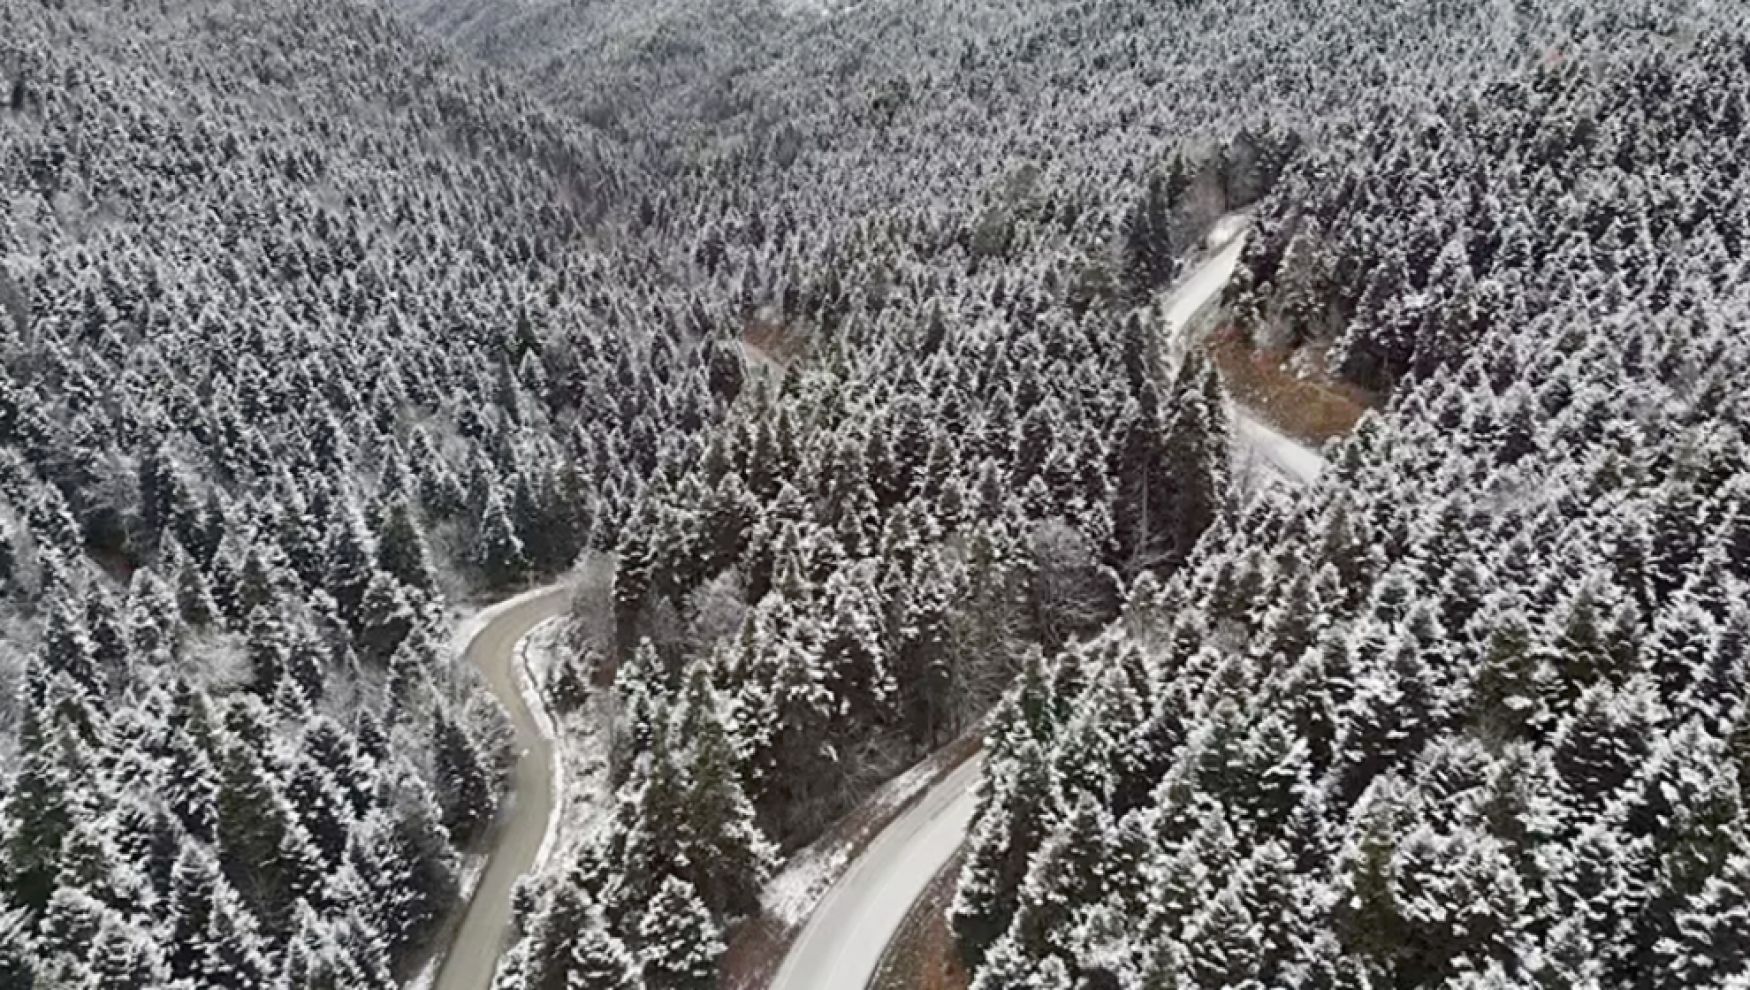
pixel 1226 229
pixel 469 620
pixel 849 929
pixel 1299 464
pixel 582 796
pixel 1264 453
pixel 1202 286
pixel 907 785
pixel 792 894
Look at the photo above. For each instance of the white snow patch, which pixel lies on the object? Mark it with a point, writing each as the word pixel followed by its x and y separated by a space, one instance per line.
pixel 907 785
pixel 791 896
pixel 1202 286
pixel 1296 462
pixel 526 681
pixel 582 800
pixel 1225 230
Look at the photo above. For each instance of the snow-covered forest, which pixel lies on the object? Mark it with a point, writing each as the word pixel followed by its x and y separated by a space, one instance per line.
pixel 308 330
pixel 825 342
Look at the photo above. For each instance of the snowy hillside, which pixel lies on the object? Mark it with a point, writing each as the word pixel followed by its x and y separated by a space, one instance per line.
pixel 865 374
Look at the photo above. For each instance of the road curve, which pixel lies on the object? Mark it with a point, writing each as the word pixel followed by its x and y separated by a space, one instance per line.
pixel 1295 462
pixel 522 825
pixel 841 946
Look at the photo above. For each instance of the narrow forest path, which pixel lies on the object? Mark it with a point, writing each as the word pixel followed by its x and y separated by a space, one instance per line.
pixel 842 945
pixel 516 841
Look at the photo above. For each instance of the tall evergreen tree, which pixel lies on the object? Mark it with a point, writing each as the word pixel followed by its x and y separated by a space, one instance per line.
pixel 677 940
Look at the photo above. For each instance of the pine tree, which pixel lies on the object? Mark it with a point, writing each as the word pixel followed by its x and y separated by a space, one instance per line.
pixel 1386 720
pixel 234 952
pixel 790 754
pixel 348 563
pixel 1368 919
pixel 1150 254
pixel 1511 686
pixel 1604 739
pixel 401 548
pixel 1193 474
pixel 18 953
pixel 1681 648
pixel 194 598
pixel 853 656
pixel 265 577
pixel 1223 944
pixel 405 856
pixel 649 825
pixel 314 959
pixel 190 783
pixel 194 889
pixel 921 661
pixel 264 850
pixel 67 934
pixel 67 648
pixel 384 620
pixel 572 948
pixel 322 807
pixel 268 650
pixel 1277 769
pixel 11 562
pixel 38 810
pixel 1066 878
pixel 499 550
pixel 985 626
pixel 154 628
pixel 1712 930
pixel 678 941
pixel 464 789
pixel 732 859
pixel 1015 804
pixel 108 636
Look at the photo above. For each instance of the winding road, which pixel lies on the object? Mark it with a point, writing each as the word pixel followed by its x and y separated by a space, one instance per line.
pixel 522 827
pixel 841 946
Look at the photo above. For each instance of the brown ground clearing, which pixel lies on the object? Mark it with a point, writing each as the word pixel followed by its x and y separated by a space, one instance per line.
pixel 1311 409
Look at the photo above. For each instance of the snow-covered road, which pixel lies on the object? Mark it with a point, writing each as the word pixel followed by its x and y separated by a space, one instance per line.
pixel 491 645
pixel 842 944
pixel 1200 288
pixel 1254 439
pixel 1294 461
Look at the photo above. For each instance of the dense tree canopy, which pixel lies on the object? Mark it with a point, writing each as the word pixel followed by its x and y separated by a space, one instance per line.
pixel 830 335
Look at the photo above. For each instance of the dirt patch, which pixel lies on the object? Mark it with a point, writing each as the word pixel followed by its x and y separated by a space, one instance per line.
pixel 774 340
pixel 1312 409
pixel 923 954
pixel 756 949
pixel 757 946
